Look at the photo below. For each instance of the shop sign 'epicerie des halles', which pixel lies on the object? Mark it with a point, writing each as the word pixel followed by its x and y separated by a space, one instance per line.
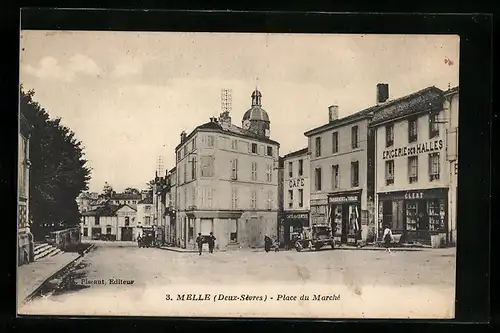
pixel 419 148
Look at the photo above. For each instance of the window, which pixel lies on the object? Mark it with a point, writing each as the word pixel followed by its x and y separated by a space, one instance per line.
pixel 254 170
pixel 147 220
pixel 270 200
pixel 108 230
pixel 253 202
pixel 185 198
pixel 234 198
pixel 193 196
pixel 185 172
pixel 318 146
pixel 301 198
pixel 355 174
pixel 389 172
pixel 355 137
pixel 178 156
pixel 207 166
pixel 85 232
pixel 318 179
pixel 233 231
pixel 433 125
pixel 210 141
pixel 97 222
pixel 206 197
pixel 389 135
pixel 434 167
pixel 335 142
pixel 413 169
pixel 254 148
pixel 335 176
pixel 412 130
pixel 234 144
pixel 290 198
pixel 234 169
pixel 194 143
pixel 185 150
pixel 301 167
pixel 269 151
pixel 193 168
pixel 269 173
pixel 290 169
pixel 127 221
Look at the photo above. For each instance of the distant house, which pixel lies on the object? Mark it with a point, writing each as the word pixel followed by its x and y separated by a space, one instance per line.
pixel 145 213
pixel 125 199
pixel 113 221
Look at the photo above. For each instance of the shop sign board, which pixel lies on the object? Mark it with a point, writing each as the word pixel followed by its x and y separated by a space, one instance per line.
pixel 296 216
pixel 340 199
pixel 420 148
pixel 295 183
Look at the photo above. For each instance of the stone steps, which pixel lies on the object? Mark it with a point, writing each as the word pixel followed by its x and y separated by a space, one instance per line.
pixel 45 250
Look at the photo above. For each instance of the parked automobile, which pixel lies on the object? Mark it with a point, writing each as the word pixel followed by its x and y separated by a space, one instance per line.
pixel 314 238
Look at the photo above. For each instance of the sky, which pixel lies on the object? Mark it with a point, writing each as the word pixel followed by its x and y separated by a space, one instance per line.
pixel 129 95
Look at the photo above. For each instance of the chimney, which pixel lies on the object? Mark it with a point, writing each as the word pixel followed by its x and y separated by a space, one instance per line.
pixel 183 136
pixel 333 113
pixel 382 93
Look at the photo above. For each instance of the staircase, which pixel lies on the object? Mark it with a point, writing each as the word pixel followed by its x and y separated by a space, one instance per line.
pixel 45 250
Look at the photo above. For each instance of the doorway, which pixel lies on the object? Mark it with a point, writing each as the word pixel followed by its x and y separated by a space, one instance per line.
pixel 126 234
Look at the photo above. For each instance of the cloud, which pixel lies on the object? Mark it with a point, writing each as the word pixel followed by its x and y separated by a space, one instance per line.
pixel 50 68
pixel 127 67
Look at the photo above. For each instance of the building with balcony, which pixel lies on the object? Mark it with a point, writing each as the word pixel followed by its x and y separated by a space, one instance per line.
pixel 227 180
pixel 25 246
pixel 412 169
pixel 296 193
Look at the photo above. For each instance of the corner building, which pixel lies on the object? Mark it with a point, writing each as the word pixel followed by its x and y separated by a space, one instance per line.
pixel 412 172
pixel 227 181
pixel 296 193
pixel 341 173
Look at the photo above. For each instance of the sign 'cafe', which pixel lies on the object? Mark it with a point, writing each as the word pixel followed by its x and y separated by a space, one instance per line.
pixel 425 147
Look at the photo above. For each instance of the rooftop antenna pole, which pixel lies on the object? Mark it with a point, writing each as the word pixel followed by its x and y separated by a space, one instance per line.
pixel 159 166
pixel 226 100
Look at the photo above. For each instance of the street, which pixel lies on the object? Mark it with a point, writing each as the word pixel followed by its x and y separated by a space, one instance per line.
pixel 160 270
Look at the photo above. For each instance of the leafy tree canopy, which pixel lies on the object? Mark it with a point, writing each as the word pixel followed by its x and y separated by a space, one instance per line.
pixel 58 172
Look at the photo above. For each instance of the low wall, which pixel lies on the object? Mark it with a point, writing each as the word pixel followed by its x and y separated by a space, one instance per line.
pixel 64 239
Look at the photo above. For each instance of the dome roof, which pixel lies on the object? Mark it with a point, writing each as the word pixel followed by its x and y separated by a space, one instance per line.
pixel 256 113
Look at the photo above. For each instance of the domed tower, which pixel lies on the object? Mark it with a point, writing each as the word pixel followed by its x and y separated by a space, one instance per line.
pixel 256 118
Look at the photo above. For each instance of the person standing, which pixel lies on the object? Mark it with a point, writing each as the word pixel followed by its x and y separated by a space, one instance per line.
pixel 267 243
pixel 387 238
pixel 199 241
pixel 211 242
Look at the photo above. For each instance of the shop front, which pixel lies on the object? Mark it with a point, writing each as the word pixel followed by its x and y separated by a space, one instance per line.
pixel 294 222
pixel 344 214
pixel 417 215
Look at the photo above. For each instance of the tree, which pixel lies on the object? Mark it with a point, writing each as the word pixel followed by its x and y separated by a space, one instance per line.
pixel 58 172
pixel 151 184
pixel 107 191
pixel 131 190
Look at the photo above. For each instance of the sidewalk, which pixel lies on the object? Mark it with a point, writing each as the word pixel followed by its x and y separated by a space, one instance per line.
pixel 32 276
pixel 342 248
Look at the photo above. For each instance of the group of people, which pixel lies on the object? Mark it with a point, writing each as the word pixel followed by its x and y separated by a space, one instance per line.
pixel 210 240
